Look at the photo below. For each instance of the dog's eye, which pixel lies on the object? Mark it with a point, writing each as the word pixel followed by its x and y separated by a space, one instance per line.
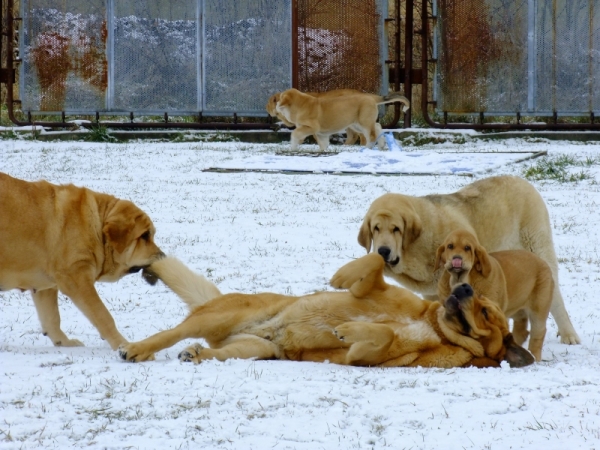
pixel 467 248
pixel 376 228
pixel 485 314
pixel 450 246
pixel 145 236
pixel 396 230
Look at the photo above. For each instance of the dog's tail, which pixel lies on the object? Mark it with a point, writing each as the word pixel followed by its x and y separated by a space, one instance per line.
pixel 393 98
pixel 194 289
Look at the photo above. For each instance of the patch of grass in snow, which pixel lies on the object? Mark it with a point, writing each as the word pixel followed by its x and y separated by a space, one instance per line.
pixel 99 134
pixel 560 168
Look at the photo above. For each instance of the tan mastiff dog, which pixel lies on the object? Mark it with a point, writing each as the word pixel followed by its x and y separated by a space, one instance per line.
pixel 371 323
pixel 504 212
pixel 324 116
pixel 65 238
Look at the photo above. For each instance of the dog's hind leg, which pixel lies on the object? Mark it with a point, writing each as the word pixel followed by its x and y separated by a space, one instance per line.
pixel 243 346
pixel 46 304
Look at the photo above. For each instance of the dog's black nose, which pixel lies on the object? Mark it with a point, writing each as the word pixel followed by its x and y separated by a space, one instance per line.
pixel 385 252
pixel 463 291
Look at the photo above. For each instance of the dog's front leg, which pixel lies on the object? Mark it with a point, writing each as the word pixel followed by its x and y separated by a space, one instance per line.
pixel 370 342
pixel 144 350
pixel 46 304
pixel 361 276
pixel 298 136
pixel 80 289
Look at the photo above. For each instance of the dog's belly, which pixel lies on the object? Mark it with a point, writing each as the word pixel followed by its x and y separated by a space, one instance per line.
pixel 37 281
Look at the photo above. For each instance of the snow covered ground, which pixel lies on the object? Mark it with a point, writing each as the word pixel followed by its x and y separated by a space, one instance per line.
pixel 256 232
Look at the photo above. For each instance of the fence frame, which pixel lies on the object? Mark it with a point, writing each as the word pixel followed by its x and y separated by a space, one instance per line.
pixel 428 61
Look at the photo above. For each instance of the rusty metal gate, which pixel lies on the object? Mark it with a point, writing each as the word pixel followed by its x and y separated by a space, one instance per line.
pixel 182 57
pixel 512 57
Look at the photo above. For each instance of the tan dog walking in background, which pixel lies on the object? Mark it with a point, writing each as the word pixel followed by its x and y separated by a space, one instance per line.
pixel 351 135
pixel 324 116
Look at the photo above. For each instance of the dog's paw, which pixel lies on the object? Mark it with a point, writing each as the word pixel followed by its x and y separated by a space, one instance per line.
pixel 191 353
pixel 569 338
pixel 133 353
pixel 346 332
pixel 69 343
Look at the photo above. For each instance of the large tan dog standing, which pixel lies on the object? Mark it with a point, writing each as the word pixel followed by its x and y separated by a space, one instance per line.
pixel 504 212
pixel 373 323
pixel 65 238
pixel 324 116
pixel 518 281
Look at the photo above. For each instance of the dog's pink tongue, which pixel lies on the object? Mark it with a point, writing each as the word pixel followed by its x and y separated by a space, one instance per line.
pixel 457 263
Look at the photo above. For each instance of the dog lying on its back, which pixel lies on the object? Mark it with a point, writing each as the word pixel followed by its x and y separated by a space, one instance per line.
pixel 516 280
pixel 372 323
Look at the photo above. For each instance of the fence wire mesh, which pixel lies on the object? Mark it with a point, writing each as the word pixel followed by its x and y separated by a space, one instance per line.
pixel 341 44
pixel 528 56
pixel 152 56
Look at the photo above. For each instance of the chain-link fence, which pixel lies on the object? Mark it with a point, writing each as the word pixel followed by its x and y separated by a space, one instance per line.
pixel 150 57
pixel 535 57
pixel 184 57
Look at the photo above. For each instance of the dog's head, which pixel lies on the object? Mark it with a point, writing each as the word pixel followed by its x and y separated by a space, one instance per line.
pixel 129 235
pixel 272 104
pixel 479 318
pixel 460 253
pixel 391 225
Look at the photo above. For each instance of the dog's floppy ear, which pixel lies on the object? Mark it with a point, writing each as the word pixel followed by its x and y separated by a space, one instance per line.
pixel 120 224
pixel 412 227
pixel 482 261
pixel 117 232
pixel 365 237
pixel 439 258
pixel 284 99
pixel 516 355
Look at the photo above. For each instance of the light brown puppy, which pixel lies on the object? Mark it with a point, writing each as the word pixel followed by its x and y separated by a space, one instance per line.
pixel 516 280
pixel 65 238
pixel 373 323
pixel 324 116
pixel 351 135
pixel 505 213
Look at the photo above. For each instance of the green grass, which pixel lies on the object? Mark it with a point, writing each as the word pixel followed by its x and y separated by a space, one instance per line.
pixel 99 134
pixel 563 168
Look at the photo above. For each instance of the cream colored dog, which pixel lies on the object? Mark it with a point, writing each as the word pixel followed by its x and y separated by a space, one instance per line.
pixel 372 323
pixel 324 116
pixel 65 238
pixel 351 135
pixel 517 280
pixel 505 213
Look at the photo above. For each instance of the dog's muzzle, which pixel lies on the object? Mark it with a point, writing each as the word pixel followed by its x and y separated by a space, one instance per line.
pixel 385 252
